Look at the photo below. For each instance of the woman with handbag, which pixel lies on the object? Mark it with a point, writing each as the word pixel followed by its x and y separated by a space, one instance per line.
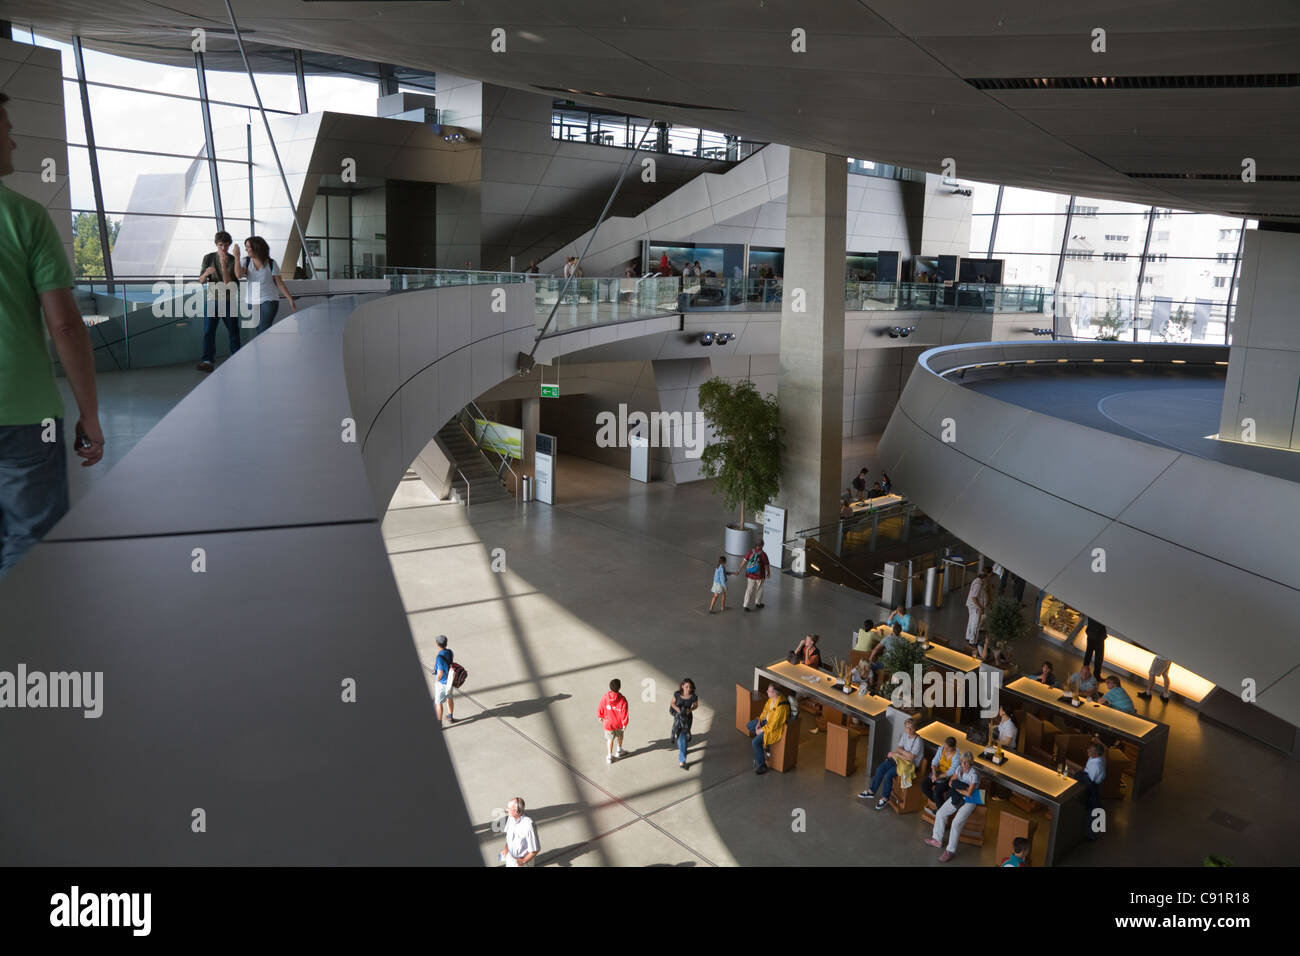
pixel 685 700
pixel 964 796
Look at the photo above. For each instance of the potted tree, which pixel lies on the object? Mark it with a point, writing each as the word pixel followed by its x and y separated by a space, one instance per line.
pixel 902 656
pixel 743 456
pixel 1006 625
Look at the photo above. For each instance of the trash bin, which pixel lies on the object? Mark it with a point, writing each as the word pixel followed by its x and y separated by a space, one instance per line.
pixel 934 587
pixel 526 488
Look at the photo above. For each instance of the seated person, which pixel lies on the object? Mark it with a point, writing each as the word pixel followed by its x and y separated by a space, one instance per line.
pixel 1019 853
pixel 876 491
pixel 847 496
pixel 1082 682
pixel 1092 775
pixel 1117 697
pixel 909 751
pixel 963 782
pixel 935 783
pixel 868 638
pixel 901 618
pixel 846 510
pixel 807 652
pixel 890 640
pixel 1002 730
pixel 1046 674
pixel 886 483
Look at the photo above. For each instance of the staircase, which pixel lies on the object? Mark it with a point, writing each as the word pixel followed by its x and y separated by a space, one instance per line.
pixel 473 466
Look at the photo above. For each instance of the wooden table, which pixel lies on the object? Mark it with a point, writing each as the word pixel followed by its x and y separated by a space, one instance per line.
pixel 1149 737
pixel 840 739
pixel 1063 796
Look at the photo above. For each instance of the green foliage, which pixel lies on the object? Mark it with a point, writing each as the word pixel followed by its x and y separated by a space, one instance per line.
pixel 903 656
pixel 744 456
pixel 1006 622
pixel 87 254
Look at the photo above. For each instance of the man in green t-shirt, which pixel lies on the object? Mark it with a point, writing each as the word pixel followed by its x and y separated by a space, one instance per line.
pixel 35 278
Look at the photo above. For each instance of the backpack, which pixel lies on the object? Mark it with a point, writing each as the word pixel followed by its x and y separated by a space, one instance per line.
pixel 752 565
pixel 458 674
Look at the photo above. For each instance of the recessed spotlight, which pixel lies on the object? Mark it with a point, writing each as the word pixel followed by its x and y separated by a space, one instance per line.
pixel 706 338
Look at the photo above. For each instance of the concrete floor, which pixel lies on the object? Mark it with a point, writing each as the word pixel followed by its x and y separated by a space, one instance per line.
pixel 613 581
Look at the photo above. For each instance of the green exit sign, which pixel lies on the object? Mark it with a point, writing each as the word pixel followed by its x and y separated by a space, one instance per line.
pixel 550 391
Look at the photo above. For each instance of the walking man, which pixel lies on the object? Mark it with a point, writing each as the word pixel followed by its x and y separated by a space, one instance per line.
pixel 521 847
pixel 35 278
pixel 1096 645
pixel 442 685
pixel 976 604
pixel 757 569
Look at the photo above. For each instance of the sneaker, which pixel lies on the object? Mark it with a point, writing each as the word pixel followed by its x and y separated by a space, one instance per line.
pixel 760 770
pixel 881 804
pixel 767 754
pixel 814 731
pixel 1144 695
pixel 931 841
pixel 866 794
pixel 609 758
pixel 747 608
pixel 204 366
pixel 758 605
pixel 1165 698
pixel 452 718
pixel 945 856
pixel 620 752
pixel 682 765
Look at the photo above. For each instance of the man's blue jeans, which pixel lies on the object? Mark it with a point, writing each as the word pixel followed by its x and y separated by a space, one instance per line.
pixel 222 309
pixel 760 758
pixel 33 488
pixel 266 315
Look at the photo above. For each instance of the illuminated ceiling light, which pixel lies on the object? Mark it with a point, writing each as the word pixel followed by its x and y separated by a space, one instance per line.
pixel 1030 361
pixel 1220 363
pixel 1137 361
pixel 1179 361
pixel 706 338
pixel 1062 360
pixel 1002 363
pixel 1099 360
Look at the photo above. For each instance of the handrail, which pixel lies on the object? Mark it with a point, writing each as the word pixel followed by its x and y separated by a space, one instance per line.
pixel 477 414
pixel 822 529
pixel 466 480
pixel 823 551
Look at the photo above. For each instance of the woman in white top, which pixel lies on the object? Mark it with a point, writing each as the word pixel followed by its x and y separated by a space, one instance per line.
pixel 1003 730
pixel 963 781
pixel 910 748
pixel 264 281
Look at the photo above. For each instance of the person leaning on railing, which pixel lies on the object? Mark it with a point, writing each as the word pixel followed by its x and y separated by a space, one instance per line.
pixel 35 278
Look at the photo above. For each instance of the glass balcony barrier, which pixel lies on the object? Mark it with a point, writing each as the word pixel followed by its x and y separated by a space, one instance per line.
pixel 1158 319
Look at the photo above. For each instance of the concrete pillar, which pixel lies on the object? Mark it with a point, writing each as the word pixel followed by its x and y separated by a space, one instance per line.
pixel 530 420
pixel 811 380
pixel 1263 386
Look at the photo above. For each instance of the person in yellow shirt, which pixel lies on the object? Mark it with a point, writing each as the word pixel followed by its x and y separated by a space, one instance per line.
pixel 769 727
pixel 868 637
pixel 935 783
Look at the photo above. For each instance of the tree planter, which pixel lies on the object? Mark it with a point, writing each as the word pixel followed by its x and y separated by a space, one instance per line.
pixel 738 540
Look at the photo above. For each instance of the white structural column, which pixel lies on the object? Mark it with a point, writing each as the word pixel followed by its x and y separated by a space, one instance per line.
pixel 1263 388
pixel 812 337
pixel 531 419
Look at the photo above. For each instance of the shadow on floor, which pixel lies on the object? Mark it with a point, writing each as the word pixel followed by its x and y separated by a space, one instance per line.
pixel 517 709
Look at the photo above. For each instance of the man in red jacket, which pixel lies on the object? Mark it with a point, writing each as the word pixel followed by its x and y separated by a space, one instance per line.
pixel 756 572
pixel 612 714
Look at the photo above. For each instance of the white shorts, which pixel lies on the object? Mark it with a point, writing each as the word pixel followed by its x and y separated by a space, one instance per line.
pixel 719 589
pixel 1159 667
pixel 441 691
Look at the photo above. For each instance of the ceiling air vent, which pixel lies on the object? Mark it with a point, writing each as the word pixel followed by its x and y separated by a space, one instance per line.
pixel 1262 177
pixel 1239 81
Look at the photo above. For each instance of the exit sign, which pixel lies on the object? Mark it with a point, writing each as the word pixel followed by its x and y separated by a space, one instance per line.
pixel 550 391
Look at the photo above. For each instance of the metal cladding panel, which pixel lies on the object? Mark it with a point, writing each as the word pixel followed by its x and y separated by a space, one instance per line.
pixel 1033 533
pixel 1156 591
pixel 1242 518
pixel 1105 480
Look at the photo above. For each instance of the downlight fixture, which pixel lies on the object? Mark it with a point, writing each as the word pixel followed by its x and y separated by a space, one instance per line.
pixel 706 338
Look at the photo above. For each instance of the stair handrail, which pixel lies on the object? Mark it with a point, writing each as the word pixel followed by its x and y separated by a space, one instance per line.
pixel 475 414
pixel 464 479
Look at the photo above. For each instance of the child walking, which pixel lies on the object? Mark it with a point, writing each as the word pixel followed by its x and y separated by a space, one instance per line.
pixel 613 716
pixel 719 584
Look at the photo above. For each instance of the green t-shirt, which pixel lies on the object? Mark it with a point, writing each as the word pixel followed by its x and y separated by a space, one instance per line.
pixel 32 261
